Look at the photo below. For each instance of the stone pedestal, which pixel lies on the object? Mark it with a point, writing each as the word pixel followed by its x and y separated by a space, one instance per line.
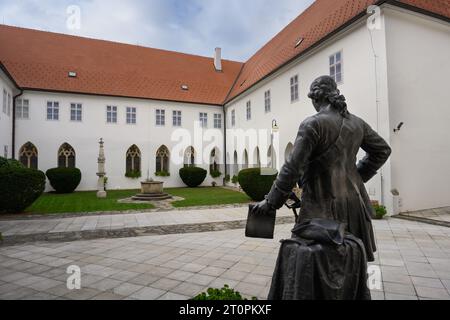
pixel 152 191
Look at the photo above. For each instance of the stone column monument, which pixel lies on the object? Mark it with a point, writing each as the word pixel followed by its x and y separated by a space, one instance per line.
pixel 101 171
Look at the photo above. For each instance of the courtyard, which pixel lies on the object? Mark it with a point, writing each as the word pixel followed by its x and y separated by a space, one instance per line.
pixel 207 249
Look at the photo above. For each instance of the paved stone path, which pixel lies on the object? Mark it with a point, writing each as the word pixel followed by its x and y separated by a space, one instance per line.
pixel 414 259
pixel 123 225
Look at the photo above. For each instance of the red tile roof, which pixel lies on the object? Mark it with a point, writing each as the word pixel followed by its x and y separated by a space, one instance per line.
pixel 320 20
pixel 42 60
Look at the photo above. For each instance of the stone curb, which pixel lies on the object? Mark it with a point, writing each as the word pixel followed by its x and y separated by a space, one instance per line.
pixel 423 220
pixel 131 232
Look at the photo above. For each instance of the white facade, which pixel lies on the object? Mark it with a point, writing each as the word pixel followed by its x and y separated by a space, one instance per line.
pixel 6 87
pixel 389 75
pixel 83 136
pixel 418 51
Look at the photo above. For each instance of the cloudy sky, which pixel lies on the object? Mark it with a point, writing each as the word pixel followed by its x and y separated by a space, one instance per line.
pixel 240 27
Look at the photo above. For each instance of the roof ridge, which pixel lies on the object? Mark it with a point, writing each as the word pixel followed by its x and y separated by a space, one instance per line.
pixel 112 42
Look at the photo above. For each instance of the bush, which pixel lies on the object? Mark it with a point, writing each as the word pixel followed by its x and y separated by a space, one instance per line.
pixel 133 174
pixel 220 294
pixel 235 180
pixel 215 174
pixel 19 186
pixel 255 185
pixel 227 178
pixel 380 211
pixel 64 180
pixel 193 176
pixel 162 174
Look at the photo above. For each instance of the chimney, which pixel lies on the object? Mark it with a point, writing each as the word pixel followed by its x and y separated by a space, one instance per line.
pixel 218 59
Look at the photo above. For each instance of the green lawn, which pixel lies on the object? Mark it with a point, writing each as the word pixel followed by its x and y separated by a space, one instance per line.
pixel 207 196
pixel 87 201
pixel 84 202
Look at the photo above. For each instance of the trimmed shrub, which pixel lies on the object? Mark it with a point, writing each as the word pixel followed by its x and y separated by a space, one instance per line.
pixel 193 176
pixel 235 180
pixel 64 180
pixel 19 186
pixel 255 185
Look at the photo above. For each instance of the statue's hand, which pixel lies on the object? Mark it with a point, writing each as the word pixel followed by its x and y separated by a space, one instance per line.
pixel 262 208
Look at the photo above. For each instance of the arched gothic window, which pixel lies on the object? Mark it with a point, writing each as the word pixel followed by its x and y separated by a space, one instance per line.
pixel 162 159
pixel 66 156
pixel 133 163
pixel 28 155
pixel 189 157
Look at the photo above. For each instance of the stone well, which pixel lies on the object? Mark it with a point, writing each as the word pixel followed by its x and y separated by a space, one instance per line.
pixel 152 191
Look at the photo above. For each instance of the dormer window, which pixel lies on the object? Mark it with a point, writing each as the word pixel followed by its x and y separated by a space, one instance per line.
pixel 185 87
pixel 72 74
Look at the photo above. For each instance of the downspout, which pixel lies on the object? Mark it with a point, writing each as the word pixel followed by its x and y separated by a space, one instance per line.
pixel 225 142
pixel 13 143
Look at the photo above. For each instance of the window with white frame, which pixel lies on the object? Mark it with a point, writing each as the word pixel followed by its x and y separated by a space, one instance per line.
pixel 131 115
pixel 336 67
pixel 233 118
pixel 9 104
pixel 294 89
pixel 76 112
pixel 176 118
pixel 249 110
pixel 111 114
pixel 52 110
pixel 5 101
pixel 267 101
pixel 204 120
pixel 22 109
pixel 217 121
pixel 160 117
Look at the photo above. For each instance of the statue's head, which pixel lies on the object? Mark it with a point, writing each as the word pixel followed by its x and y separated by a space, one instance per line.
pixel 324 92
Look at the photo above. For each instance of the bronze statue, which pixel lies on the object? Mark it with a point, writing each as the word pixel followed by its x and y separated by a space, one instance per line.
pixel 323 163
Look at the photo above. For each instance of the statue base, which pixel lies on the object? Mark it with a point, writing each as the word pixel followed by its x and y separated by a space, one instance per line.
pixel 101 194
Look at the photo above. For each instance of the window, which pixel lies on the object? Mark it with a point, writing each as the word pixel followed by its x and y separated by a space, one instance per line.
pixel 22 109
pixel 204 120
pixel 52 110
pixel 214 161
pixel 217 121
pixel 267 101
pixel 5 101
pixel 336 67
pixel 162 160
pixel 133 162
pixel 189 157
pixel 111 114
pixel 294 88
pixel 66 156
pixel 28 156
pixel 249 110
pixel 9 104
pixel 76 110
pixel 176 118
pixel 233 118
pixel 131 115
pixel 5 152
pixel 160 117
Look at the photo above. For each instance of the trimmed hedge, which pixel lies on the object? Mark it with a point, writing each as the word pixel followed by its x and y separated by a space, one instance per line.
pixel 255 185
pixel 193 176
pixel 19 186
pixel 64 180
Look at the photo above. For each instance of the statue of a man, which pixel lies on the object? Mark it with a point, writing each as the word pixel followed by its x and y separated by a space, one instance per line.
pixel 323 163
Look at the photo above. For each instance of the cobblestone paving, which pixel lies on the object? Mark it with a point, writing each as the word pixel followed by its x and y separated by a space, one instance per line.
pixel 414 259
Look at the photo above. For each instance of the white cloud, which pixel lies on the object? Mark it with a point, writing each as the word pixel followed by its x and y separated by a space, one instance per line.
pixel 194 26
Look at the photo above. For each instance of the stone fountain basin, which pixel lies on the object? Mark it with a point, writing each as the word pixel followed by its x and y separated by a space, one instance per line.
pixel 152 191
